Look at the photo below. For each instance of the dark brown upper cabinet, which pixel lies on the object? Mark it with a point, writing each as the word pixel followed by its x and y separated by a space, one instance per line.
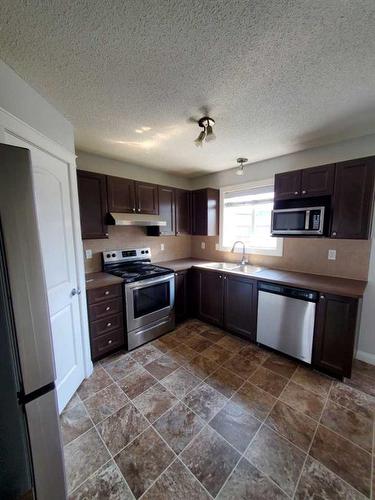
pixel 305 183
pixel 287 185
pixel 167 210
pixel 183 219
pixel 128 196
pixel 353 199
pixel 121 195
pixel 334 335
pixel 205 212
pixel 147 198
pixel 317 181
pixel 92 193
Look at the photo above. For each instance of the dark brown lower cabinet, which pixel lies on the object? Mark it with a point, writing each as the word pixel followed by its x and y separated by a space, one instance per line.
pixel 181 303
pixel 226 300
pixel 335 325
pixel 240 306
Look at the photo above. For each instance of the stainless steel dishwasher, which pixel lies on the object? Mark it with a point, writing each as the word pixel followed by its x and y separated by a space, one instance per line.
pixel 286 318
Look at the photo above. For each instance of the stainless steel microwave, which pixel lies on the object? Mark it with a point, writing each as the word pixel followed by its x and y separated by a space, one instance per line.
pixel 304 220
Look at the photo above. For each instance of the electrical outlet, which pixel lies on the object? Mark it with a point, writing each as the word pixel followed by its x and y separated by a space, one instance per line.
pixel 88 254
pixel 331 254
pixel 203 245
pixel 162 247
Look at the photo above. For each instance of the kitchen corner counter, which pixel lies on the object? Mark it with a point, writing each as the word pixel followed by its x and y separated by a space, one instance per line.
pixel 97 280
pixel 181 264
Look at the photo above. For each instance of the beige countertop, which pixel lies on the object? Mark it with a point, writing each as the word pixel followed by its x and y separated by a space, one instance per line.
pixel 327 284
pixel 97 280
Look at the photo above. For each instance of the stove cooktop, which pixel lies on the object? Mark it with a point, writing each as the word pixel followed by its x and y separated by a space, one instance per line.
pixel 137 272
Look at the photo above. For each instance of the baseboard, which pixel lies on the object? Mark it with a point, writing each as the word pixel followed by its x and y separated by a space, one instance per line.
pixel 367 357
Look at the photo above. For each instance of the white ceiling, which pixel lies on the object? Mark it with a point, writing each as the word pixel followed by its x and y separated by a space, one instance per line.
pixel 278 75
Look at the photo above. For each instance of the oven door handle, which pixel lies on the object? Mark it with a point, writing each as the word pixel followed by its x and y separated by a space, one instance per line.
pixel 152 281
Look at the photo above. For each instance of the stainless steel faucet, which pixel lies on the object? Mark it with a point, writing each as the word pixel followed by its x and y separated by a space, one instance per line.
pixel 243 260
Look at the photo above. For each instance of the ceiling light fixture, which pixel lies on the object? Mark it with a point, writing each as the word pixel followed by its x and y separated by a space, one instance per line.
pixel 240 169
pixel 207 134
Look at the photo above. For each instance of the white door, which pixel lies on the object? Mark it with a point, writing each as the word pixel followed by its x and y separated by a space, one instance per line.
pixel 54 211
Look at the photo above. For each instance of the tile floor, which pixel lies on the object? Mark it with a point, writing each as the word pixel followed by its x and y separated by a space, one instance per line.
pixel 201 414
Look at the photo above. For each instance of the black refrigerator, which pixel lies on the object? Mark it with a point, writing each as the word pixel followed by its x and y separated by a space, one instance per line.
pixel 31 458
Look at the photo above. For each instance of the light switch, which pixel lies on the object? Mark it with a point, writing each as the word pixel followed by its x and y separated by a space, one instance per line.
pixel 203 245
pixel 162 247
pixel 331 254
pixel 88 254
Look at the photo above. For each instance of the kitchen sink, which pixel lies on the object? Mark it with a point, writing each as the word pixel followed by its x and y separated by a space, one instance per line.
pixel 247 269
pixel 222 266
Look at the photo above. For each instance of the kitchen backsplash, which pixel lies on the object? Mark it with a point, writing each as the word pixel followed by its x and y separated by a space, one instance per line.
pixel 175 247
pixel 300 254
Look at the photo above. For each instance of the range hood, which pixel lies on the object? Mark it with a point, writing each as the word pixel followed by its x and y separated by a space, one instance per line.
pixel 120 219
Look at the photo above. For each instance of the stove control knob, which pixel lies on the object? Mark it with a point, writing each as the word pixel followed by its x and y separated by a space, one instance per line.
pixel 113 255
pixel 108 255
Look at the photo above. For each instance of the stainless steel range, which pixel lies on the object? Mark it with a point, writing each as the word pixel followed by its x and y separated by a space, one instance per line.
pixel 148 293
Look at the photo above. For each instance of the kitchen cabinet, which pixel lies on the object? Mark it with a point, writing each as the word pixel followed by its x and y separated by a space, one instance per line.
pixel 205 212
pixel 183 219
pixel 121 194
pixel 92 194
pixel 147 198
pixel 335 324
pixel 353 199
pixel 181 295
pixel 240 306
pixel 106 320
pixel 305 183
pixel 228 301
pixel 129 196
pixel 167 210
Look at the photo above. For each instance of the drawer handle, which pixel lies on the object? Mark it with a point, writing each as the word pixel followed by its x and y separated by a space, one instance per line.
pixel 109 324
pixel 109 341
pixel 106 292
pixel 107 308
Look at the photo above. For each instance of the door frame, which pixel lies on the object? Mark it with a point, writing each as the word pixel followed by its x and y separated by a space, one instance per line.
pixel 12 125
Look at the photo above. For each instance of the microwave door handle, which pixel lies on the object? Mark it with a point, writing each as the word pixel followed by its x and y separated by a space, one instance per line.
pixel 307 220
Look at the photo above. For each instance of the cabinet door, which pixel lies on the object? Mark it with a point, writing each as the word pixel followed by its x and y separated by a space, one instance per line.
pixel 240 297
pixel 121 194
pixel 199 212
pixel 167 210
pixel 182 211
pixel 334 334
pixel 147 198
pixel 353 199
pixel 318 181
pixel 211 297
pixel 92 192
pixel 288 185
pixel 181 295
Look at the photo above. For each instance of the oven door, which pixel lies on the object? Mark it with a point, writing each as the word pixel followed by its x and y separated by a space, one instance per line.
pixel 306 220
pixel 148 300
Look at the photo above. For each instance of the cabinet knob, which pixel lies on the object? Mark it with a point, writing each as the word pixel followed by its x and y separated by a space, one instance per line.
pixel 139 209
pixel 106 292
pixel 304 192
pixel 109 341
pixel 225 277
pixel 106 234
pixel 334 233
pixel 295 192
pixel 220 276
pixel 109 324
pixel 107 308
pixel 134 209
pixel 322 297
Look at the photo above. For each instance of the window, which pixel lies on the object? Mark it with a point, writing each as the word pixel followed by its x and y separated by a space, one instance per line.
pixel 246 216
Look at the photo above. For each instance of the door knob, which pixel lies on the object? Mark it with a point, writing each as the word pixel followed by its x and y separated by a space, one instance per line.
pixel 75 291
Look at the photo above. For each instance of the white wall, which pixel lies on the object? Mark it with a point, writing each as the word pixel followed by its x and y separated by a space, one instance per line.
pixel 22 101
pixel 346 150
pixel 102 165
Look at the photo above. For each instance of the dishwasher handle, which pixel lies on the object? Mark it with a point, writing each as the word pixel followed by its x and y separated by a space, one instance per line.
pixel 287 291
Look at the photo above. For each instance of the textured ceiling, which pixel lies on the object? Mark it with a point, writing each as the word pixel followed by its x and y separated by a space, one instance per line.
pixel 278 76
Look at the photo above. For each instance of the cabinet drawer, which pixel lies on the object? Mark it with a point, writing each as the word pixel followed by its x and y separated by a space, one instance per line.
pixel 104 309
pixel 106 343
pixel 103 293
pixel 105 325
